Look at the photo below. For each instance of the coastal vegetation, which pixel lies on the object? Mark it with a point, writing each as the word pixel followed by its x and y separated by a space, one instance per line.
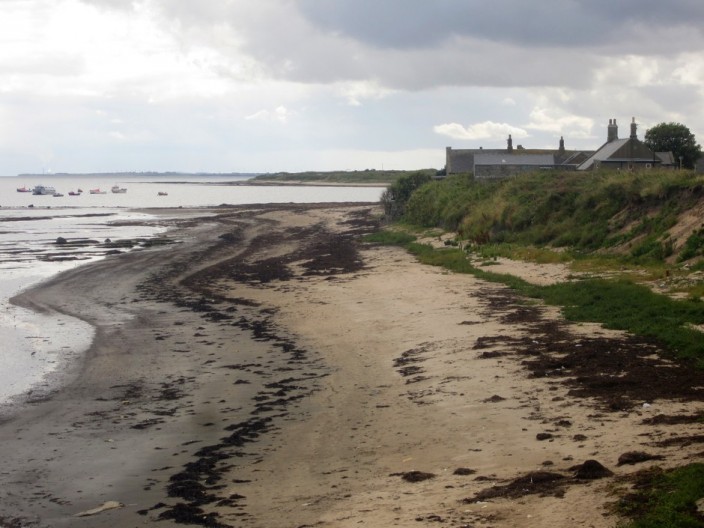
pixel 630 217
pixel 622 233
pixel 665 498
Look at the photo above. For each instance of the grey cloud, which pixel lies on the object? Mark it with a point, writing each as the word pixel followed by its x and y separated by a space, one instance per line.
pixel 419 23
pixel 417 44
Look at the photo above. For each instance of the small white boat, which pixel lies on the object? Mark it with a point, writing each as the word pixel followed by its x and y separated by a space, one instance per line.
pixel 118 190
pixel 57 194
pixel 162 193
pixel 43 190
pixel 96 191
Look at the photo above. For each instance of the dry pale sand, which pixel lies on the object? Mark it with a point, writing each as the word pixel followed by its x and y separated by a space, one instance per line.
pixel 284 375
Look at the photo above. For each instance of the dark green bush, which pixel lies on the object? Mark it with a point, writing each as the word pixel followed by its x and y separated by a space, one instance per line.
pixel 693 247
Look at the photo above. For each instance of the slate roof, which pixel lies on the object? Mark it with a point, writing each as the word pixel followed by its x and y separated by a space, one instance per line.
pixel 608 153
pixel 576 158
pixel 604 153
pixel 514 159
pixel 667 158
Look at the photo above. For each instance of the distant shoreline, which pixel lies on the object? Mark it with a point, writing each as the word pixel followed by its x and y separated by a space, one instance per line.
pixel 251 181
pixel 138 174
pixel 293 183
pixel 365 178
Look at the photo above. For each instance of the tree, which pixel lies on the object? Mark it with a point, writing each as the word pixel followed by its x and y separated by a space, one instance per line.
pixel 675 138
pixel 395 197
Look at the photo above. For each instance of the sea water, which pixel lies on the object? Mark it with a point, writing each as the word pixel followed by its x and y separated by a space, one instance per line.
pixel 34 348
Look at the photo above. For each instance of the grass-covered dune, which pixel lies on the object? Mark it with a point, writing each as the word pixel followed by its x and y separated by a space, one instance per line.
pixel 643 216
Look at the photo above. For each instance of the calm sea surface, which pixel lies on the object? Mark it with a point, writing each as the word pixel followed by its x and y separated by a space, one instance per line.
pixel 34 347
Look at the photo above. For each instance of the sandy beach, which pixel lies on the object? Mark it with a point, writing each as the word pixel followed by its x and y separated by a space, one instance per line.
pixel 271 370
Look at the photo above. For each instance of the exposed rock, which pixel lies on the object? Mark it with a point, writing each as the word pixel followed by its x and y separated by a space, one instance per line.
pixel 414 476
pixel 545 483
pixel 635 457
pixel 591 469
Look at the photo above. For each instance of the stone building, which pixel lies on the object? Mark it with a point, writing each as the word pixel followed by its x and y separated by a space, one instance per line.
pixel 627 154
pixel 488 164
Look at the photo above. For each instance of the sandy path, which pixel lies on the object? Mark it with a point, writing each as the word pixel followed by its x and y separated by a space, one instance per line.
pixel 282 375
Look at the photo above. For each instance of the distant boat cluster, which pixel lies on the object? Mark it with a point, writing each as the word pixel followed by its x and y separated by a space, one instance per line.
pixel 43 190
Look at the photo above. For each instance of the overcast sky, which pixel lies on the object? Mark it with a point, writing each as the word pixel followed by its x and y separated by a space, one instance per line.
pixel 286 85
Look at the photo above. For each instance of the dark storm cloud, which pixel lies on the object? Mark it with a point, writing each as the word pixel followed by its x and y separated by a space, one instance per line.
pixel 420 23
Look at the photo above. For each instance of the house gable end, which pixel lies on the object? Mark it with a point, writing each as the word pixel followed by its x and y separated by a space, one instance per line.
pixel 632 149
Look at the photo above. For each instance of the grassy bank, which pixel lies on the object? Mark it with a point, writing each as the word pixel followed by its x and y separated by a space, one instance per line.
pixel 629 214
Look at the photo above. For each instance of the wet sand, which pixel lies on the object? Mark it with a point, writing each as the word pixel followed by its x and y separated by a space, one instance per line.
pixel 272 370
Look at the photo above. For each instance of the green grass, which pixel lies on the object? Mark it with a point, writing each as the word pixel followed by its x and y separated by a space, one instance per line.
pixel 623 305
pixel 390 238
pixel 666 500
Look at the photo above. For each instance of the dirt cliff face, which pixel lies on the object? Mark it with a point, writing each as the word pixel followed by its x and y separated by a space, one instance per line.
pixel 689 222
pixel 680 217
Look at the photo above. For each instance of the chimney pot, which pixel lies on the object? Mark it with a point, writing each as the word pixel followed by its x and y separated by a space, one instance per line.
pixel 612 131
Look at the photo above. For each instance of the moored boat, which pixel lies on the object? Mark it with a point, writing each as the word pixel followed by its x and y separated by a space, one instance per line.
pixel 24 189
pixel 162 193
pixel 75 193
pixel 118 190
pixel 43 190
pixel 96 191
pixel 57 194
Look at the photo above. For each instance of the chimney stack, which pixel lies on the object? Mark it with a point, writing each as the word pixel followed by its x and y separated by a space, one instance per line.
pixel 510 143
pixel 612 131
pixel 562 145
pixel 633 129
